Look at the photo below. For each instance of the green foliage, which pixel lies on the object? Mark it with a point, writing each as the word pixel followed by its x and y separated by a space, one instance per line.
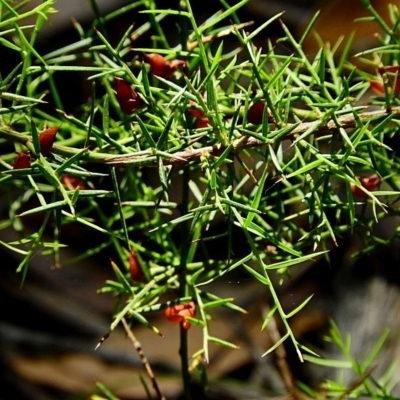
pixel 363 385
pixel 286 182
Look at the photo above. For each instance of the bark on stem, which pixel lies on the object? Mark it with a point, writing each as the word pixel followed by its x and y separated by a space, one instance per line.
pixel 150 157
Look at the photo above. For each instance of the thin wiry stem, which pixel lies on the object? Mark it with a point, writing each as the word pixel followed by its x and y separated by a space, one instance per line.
pixel 138 348
pixel 192 155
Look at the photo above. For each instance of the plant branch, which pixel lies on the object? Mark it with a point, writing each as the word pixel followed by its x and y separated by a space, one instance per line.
pixel 150 157
pixel 142 356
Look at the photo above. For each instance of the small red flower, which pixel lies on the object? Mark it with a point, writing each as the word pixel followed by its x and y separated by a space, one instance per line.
pixel 179 312
pixel 255 113
pixel 72 182
pixel 47 139
pixel 128 99
pixel 23 160
pixel 389 68
pixel 160 66
pixel 135 269
pixel 202 122
pixel 195 112
pixel 377 87
pixel 368 182
pixel 392 73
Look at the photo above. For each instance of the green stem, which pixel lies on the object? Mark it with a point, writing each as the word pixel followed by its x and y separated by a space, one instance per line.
pixel 149 157
pixel 183 288
pixel 184 250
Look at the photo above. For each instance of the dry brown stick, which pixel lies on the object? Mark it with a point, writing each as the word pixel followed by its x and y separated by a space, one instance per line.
pixel 138 348
pixel 186 156
pixel 148 158
pixel 281 361
pixel 207 39
pixel 356 383
pixel 283 365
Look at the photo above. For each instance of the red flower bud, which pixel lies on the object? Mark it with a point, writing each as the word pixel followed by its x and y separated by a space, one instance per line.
pixel 368 182
pixel 255 113
pixel 23 160
pixel 377 87
pixel 160 66
pixel 179 312
pixel 72 182
pixel 194 112
pixel 128 99
pixel 47 139
pixel 203 123
pixel 135 269
pixel 389 68
pixel 392 73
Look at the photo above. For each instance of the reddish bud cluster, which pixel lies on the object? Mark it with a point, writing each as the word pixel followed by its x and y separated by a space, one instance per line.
pixel 22 161
pixel 160 66
pixel 128 99
pixel 194 112
pixel 392 72
pixel 394 69
pixel 72 182
pixel 368 182
pixel 256 112
pixel 179 312
pixel 135 269
pixel 47 139
pixel 202 121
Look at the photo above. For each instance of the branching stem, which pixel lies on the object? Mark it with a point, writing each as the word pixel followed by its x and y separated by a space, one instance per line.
pixel 192 155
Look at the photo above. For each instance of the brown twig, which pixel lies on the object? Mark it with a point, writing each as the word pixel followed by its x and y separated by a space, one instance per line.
pixel 356 383
pixel 186 156
pixel 281 360
pixel 149 158
pixel 283 365
pixel 207 39
pixel 138 348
